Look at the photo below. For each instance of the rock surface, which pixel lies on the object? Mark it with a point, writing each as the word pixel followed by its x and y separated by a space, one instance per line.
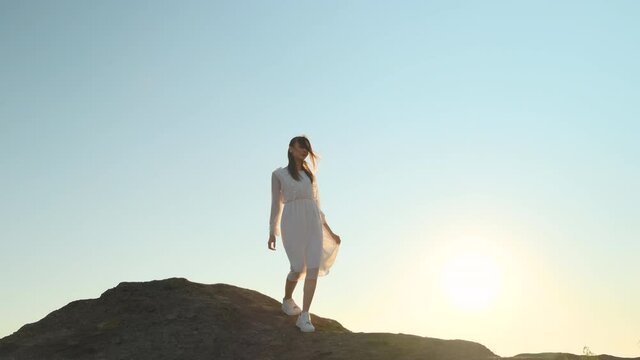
pixel 178 319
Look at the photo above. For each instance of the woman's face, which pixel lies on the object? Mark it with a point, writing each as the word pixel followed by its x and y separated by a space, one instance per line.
pixel 298 151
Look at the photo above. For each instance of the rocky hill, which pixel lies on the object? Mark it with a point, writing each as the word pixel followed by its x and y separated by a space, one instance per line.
pixel 178 319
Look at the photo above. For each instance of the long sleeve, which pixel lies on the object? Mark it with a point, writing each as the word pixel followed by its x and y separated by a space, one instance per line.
pixel 277 203
pixel 316 197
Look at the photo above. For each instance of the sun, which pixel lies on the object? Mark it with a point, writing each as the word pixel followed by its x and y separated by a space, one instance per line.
pixel 471 280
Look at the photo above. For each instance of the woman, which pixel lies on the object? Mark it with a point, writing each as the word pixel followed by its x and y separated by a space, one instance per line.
pixel 296 216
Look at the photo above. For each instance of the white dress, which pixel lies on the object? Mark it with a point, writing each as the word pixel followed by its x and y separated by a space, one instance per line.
pixel 296 216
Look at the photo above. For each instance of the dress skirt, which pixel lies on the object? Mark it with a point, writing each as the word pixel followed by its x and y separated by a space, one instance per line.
pixel 307 242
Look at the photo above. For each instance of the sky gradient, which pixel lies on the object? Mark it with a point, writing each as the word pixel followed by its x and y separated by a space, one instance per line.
pixel 479 159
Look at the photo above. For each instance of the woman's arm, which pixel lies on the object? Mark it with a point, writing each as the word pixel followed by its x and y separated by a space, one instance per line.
pixel 277 202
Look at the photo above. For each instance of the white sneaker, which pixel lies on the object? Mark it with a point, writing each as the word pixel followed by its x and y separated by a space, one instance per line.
pixel 304 322
pixel 290 308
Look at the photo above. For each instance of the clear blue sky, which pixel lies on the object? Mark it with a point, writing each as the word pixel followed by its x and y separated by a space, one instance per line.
pixel 137 141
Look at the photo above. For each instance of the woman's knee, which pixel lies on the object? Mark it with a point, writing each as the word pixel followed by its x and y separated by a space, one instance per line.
pixel 294 275
pixel 312 274
pixel 309 274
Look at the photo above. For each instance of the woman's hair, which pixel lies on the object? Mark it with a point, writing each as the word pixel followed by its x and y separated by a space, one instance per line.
pixel 303 142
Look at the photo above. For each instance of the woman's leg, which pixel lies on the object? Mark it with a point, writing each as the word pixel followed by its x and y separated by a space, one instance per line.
pixel 290 284
pixel 309 288
pixel 289 287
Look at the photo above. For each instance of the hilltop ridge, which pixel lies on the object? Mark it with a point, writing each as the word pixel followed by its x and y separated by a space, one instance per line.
pixel 178 319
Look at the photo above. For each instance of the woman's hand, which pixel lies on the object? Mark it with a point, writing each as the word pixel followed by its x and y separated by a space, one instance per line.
pixel 271 244
pixel 336 238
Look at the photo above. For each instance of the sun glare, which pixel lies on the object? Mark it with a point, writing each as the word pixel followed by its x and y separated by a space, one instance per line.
pixel 471 280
